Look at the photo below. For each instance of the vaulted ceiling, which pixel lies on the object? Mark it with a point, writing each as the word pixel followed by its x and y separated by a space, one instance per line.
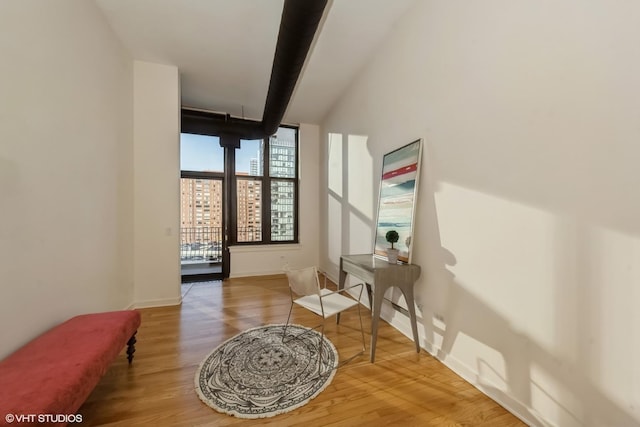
pixel 224 49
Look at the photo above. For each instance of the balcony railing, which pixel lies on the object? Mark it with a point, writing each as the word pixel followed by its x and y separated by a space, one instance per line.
pixel 204 244
pixel 201 244
pixel 249 234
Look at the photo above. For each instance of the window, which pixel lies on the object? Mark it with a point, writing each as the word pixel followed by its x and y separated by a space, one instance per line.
pixel 266 189
pixel 260 179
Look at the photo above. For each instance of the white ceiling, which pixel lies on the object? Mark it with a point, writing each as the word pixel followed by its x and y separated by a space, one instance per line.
pixel 224 48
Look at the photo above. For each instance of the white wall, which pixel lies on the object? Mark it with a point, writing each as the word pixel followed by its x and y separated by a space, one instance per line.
pixel 527 228
pixel 66 139
pixel 157 184
pixel 260 260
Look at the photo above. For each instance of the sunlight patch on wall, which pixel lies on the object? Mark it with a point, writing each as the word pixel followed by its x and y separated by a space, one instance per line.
pixel 334 229
pixel 504 256
pixel 607 314
pixel 360 179
pixel 334 177
pixel 547 292
pixel 360 190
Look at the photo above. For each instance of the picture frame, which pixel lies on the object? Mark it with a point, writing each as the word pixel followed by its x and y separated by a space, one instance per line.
pixel 397 200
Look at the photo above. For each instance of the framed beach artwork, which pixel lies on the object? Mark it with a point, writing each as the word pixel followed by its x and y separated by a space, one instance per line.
pixel 397 200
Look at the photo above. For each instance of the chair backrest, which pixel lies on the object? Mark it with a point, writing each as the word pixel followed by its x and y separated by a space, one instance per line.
pixel 303 281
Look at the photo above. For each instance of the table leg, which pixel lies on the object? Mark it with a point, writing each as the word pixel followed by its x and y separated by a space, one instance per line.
pixel 378 294
pixel 342 279
pixel 408 297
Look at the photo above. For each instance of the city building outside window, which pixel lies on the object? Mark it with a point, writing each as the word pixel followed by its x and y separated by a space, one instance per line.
pixel 267 188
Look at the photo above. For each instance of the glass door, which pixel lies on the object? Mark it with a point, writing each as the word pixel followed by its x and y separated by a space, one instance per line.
pixel 203 251
pixel 200 227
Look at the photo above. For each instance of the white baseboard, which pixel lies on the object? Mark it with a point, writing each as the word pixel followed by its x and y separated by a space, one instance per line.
pixel 255 274
pixel 157 303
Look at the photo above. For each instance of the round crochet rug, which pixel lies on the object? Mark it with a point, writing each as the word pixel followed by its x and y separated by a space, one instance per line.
pixel 257 374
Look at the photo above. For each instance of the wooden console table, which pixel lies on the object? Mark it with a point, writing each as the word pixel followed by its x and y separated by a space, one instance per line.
pixel 381 275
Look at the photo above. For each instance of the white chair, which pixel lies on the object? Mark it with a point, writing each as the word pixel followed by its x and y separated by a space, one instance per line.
pixel 305 290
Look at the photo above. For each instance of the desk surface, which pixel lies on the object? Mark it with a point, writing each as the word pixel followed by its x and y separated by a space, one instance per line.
pixel 368 261
pixel 372 264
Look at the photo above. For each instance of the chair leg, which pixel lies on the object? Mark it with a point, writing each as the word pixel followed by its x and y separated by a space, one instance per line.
pixel 284 330
pixel 364 347
pixel 321 347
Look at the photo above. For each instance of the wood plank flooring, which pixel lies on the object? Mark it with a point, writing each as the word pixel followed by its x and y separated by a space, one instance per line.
pixel 403 388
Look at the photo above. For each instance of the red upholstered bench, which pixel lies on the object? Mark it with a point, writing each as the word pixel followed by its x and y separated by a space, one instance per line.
pixel 56 372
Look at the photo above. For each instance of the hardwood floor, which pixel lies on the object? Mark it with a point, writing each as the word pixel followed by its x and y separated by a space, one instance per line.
pixel 402 388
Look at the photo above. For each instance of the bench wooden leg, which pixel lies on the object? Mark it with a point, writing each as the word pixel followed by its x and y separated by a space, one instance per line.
pixel 131 347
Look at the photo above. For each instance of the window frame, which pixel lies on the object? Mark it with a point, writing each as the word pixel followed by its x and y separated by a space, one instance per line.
pixel 266 202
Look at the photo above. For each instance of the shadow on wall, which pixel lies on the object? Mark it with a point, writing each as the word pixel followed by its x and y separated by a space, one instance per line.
pixel 470 318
